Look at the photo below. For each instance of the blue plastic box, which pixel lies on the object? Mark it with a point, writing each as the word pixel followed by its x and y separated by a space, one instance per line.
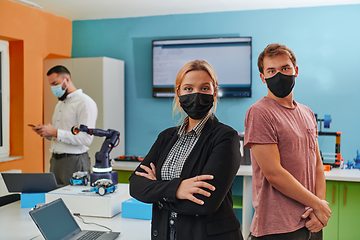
pixel 29 200
pixel 133 208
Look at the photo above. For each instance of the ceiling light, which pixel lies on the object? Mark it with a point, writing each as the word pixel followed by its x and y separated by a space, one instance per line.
pixel 31 4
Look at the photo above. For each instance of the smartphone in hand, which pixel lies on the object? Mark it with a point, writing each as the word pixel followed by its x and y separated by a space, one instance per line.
pixel 32 125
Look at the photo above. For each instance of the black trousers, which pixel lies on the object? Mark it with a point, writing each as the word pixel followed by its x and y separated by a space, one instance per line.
pixel 301 234
pixel 65 164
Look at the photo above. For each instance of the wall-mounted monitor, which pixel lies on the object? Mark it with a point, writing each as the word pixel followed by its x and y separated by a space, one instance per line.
pixel 230 57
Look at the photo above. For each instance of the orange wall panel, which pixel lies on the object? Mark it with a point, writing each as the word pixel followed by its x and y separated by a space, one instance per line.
pixel 33 35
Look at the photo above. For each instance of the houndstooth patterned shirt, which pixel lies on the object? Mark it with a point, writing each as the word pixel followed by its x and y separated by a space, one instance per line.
pixel 178 154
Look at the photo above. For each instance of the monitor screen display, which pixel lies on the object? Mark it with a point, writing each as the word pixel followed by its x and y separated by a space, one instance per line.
pixel 230 57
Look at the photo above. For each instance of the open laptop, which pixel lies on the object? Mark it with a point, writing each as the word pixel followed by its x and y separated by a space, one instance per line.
pixel 55 221
pixel 30 182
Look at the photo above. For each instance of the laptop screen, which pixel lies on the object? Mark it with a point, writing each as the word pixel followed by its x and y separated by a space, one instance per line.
pixel 55 220
pixel 30 182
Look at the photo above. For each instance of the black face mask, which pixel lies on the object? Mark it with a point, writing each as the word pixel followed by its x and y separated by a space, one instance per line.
pixel 62 98
pixel 281 85
pixel 196 105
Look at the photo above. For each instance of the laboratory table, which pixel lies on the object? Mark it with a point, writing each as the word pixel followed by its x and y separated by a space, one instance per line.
pixel 336 174
pixel 16 224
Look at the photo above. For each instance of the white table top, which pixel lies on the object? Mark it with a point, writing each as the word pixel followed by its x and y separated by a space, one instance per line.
pixel 16 224
pixel 335 174
pixel 348 175
pixel 126 166
pixel 244 170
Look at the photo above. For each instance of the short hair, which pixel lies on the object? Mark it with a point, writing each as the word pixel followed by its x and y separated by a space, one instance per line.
pixel 272 50
pixel 59 69
pixel 195 65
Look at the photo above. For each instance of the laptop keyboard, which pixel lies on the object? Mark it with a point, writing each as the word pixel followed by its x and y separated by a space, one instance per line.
pixel 91 235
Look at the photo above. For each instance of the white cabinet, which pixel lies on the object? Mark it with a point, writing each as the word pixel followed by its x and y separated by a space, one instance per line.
pixel 101 78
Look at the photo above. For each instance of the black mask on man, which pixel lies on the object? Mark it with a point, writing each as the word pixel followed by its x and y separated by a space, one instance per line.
pixel 196 105
pixel 281 85
pixel 63 97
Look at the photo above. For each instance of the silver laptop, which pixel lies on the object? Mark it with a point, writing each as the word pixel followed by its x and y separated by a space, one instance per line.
pixel 55 221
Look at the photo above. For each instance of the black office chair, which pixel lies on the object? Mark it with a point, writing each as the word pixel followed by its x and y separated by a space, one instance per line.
pixel 9 199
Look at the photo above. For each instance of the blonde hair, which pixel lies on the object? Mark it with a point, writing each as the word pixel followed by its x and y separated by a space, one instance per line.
pixel 195 65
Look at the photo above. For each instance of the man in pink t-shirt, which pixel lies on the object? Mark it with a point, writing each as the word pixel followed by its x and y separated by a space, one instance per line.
pixel 288 176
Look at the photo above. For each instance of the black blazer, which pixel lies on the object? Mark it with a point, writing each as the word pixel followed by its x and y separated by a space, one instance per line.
pixel 217 152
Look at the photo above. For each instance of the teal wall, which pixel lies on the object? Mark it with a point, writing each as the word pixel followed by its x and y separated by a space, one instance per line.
pixel 324 39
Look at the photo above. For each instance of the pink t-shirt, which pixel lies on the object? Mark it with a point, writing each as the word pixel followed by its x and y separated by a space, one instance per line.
pixel 294 130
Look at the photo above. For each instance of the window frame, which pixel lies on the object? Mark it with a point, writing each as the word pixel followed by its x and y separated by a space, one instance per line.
pixel 5 101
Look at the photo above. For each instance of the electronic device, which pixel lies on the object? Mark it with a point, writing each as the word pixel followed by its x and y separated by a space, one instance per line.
pixel 335 158
pixel 55 221
pixel 32 125
pixel 79 178
pixel 129 158
pixel 103 186
pixel 230 57
pixel 102 168
pixel 30 182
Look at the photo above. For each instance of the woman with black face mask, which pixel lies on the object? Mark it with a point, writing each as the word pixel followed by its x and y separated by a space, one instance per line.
pixel 188 173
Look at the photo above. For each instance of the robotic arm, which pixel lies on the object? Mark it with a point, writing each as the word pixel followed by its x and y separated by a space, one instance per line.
pixel 112 139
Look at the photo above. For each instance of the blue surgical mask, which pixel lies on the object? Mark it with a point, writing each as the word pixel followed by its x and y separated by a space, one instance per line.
pixel 58 91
